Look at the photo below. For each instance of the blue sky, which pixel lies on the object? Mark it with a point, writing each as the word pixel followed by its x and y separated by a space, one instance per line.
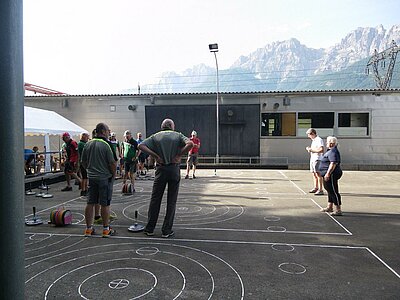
pixel 103 46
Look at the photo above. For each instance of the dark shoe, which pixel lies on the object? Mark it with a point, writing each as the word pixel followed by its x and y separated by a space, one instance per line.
pixel 187 177
pixel 67 189
pixel 83 193
pixel 194 176
pixel 168 235
pixel 148 233
pixel 314 190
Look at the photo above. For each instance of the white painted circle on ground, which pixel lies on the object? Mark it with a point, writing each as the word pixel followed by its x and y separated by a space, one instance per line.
pixel 276 228
pixel 272 218
pixel 92 285
pixel 39 237
pixel 75 219
pixel 144 251
pixel 193 211
pixel 292 268
pixel 100 279
pixel 283 247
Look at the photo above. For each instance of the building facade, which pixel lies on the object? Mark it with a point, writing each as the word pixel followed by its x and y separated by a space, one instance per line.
pixel 269 126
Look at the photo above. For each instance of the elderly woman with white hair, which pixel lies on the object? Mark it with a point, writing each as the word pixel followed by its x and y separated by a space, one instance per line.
pixel 330 170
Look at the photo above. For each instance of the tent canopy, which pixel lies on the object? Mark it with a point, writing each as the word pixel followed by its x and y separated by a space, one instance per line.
pixel 41 121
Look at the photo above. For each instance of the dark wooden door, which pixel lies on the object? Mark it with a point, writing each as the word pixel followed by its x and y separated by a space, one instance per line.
pixel 238 124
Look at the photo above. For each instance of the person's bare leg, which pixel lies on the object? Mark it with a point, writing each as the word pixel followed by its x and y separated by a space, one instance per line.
pixel 187 169
pixel 89 215
pixel 75 176
pixel 105 215
pixel 320 182
pixel 133 177
pixel 127 176
pixel 315 179
pixel 68 178
pixel 194 169
pixel 84 185
pixel 97 208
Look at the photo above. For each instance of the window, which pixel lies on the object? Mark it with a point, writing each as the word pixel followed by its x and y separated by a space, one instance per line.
pixel 353 124
pixel 323 122
pixel 286 124
pixel 278 124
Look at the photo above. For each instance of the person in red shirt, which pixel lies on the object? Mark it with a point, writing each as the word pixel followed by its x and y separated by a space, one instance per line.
pixel 193 155
pixel 71 160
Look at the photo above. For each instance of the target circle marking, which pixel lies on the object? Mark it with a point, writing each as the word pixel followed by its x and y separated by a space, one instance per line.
pixel 121 283
pixel 276 229
pixel 118 284
pixel 292 268
pixel 282 247
pixel 272 218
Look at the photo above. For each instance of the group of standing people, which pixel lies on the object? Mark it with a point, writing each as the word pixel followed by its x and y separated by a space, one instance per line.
pixel 97 160
pixel 326 170
pixel 127 152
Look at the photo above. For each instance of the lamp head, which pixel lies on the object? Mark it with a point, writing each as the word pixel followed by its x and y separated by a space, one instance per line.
pixel 213 47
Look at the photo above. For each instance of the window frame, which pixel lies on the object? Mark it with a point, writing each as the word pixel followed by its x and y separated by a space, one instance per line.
pixel 335 128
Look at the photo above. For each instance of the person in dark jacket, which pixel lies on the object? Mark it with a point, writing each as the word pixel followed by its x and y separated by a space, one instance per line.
pixel 330 170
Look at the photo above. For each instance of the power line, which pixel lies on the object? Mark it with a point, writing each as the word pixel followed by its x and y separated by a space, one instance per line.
pixel 258 81
pixel 229 81
pixel 234 73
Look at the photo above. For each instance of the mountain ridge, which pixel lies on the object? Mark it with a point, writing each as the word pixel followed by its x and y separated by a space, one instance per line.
pixel 290 65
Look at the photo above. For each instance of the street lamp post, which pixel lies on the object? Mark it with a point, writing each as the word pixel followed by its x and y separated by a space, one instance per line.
pixel 214 49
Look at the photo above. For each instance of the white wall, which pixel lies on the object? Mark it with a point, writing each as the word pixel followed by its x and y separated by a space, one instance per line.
pixel 381 148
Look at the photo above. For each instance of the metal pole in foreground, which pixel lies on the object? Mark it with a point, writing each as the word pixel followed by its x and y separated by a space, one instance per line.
pixel 214 48
pixel 12 268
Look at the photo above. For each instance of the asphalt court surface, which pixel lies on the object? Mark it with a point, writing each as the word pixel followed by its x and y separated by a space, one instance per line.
pixel 243 234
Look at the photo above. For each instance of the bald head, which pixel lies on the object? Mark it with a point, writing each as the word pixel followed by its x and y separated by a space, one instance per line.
pixel 168 124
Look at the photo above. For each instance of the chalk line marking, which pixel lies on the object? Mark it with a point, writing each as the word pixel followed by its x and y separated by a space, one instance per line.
pixel 300 189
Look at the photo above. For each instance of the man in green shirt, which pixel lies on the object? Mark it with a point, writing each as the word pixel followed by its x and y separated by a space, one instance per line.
pixel 166 146
pixel 100 162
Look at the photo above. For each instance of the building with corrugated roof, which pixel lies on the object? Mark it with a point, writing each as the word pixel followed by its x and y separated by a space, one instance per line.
pixel 256 128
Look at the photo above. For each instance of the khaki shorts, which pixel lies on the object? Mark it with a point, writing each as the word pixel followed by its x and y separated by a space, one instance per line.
pixel 313 166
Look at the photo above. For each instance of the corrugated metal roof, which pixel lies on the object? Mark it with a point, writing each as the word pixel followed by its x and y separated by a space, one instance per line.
pixel 377 91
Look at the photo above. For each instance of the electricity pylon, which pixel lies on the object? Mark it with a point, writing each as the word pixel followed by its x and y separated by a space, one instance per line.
pixel 383 82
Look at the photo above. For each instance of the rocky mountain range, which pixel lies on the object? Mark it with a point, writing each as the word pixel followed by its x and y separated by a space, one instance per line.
pixel 291 66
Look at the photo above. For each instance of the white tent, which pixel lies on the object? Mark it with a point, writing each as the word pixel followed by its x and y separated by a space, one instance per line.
pixel 46 122
pixel 41 121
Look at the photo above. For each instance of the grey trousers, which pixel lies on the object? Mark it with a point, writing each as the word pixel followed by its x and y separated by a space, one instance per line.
pixel 170 175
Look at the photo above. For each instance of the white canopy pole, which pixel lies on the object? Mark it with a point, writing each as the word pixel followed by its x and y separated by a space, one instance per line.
pixel 47 149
